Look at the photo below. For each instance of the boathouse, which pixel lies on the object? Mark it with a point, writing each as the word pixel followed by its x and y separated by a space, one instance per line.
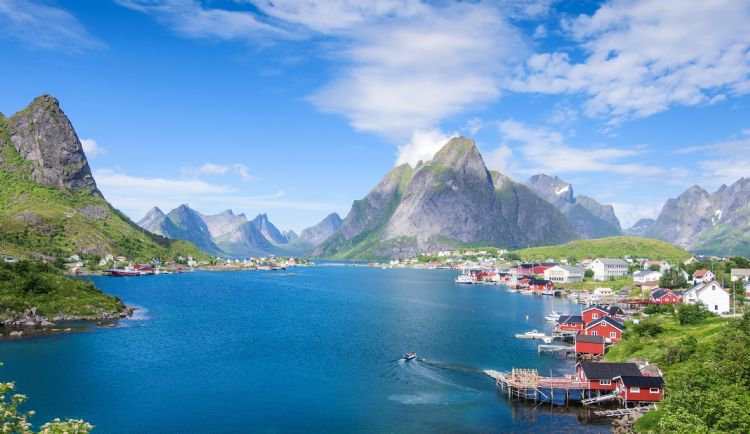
pixel 665 296
pixel 634 388
pixel 540 285
pixel 602 375
pixel 589 345
pixel 607 327
pixel 570 323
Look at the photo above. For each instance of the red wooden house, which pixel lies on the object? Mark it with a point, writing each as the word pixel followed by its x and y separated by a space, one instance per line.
pixel 602 375
pixel 665 296
pixel 570 323
pixel 593 313
pixel 640 388
pixel 592 345
pixel 541 285
pixel 607 327
pixel 616 313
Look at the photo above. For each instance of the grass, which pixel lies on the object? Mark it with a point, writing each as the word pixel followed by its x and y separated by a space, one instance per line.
pixel 611 247
pixel 588 285
pixel 31 284
pixel 655 348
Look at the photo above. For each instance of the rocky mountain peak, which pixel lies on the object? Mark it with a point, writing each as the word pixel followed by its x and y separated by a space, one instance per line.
pixel 459 151
pixel 552 189
pixel 43 135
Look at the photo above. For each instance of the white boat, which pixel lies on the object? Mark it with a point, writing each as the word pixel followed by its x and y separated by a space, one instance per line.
pixel 531 335
pixel 554 316
pixel 548 292
pixel 466 279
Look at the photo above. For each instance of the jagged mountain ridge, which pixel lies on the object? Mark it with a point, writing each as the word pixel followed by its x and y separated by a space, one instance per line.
pixel 715 223
pixel 49 202
pixel 589 218
pixel 449 201
pixel 317 234
pixel 641 227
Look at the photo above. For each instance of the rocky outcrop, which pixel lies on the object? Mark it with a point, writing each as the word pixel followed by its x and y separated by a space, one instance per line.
pixel 44 137
pixel 589 218
pixel 31 317
pixel 315 235
pixel 710 223
pixel 448 201
pixel 269 231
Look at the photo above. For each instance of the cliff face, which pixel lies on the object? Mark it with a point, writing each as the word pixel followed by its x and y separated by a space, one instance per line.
pixel 315 235
pixel 448 201
pixel 589 218
pixel 641 227
pixel 711 223
pixel 44 137
pixel 49 202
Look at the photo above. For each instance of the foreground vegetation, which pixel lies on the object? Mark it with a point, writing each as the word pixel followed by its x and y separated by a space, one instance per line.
pixel 33 284
pixel 706 361
pixel 612 247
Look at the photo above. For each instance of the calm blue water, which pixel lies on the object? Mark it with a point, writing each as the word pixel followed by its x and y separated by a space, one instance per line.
pixel 312 349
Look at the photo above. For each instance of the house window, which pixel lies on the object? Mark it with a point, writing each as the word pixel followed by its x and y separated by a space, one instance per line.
pixel 595 316
pixel 605 382
pixel 654 390
pixel 716 307
pixel 612 335
pixel 594 333
pixel 635 389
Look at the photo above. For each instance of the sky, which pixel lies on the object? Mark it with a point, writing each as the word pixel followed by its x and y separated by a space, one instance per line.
pixel 296 108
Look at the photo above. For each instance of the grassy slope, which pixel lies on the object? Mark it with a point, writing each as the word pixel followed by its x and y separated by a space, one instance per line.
pixel 612 247
pixel 62 229
pixel 25 285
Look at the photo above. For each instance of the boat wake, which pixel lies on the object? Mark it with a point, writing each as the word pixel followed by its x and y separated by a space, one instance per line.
pixel 421 374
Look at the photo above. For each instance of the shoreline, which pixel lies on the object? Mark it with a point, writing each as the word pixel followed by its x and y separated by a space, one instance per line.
pixel 30 323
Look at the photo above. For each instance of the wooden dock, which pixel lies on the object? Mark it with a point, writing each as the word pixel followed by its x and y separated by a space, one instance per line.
pixel 529 385
pixel 619 412
pixel 600 398
pixel 564 350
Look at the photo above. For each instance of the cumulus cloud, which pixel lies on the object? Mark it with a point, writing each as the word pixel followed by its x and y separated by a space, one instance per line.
pixel 91 148
pixel 501 159
pixel 643 56
pixel 40 25
pixel 423 146
pixel 630 213
pixel 723 162
pixel 404 74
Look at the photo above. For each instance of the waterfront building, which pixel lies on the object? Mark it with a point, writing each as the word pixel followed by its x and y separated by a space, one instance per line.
pixel 606 268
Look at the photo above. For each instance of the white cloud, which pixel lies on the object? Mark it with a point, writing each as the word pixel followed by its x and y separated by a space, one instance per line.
pixel 44 26
pixel 423 146
pixel 644 56
pixel 333 15
pixel 91 148
pixel 213 169
pixel 404 74
pixel 167 193
pixel 630 213
pixel 501 159
pixel 545 151
pixel 190 18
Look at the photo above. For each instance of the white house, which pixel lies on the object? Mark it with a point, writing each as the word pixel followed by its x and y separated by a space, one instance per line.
pixel 703 276
pixel 605 268
pixel 740 274
pixel 562 273
pixel 644 276
pixel 711 294
pixel 663 265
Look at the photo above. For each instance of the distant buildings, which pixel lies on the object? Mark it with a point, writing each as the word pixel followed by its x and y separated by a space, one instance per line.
pixel 703 276
pixel 646 275
pixel 711 294
pixel 564 274
pixel 606 268
pixel 740 274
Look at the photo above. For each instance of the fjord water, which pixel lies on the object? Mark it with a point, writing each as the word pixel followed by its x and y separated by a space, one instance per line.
pixel 310 349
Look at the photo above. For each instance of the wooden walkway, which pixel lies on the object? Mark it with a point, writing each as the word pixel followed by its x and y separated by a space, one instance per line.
pixel 598 399
pixel 529 385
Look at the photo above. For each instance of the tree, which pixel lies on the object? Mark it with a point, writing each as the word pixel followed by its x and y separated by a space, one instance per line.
pixel 692 313
pixel 589 273
pixel 16 421
pixel 673 279
pixel 654 267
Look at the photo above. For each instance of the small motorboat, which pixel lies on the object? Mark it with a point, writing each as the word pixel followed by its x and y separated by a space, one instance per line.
pixel 409 356
pixel 531 335
pixel 554 316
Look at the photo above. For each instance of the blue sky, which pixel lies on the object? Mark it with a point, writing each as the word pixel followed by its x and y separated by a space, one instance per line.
pixel 297 108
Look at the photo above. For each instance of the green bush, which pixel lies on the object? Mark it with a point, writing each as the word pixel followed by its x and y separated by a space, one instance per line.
pixel 692 313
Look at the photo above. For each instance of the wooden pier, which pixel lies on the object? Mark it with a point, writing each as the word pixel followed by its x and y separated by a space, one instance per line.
pixel 619 412
pixel 529 385
pixel 564 350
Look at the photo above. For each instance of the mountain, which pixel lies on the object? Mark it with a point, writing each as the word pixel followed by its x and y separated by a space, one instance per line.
pixel 49 202
pixel 291 235
pixel 641 227
pixel 611 247
pixel 315 235
pixel 449 201
pixel 715 223
pixel 269 231
pixel 589 218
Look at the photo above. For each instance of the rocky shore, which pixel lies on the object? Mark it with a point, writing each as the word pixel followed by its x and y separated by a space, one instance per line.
pixel 31 322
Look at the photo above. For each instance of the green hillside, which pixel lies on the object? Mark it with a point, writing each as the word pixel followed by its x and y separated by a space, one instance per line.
pixel 41 220
pixel 612 247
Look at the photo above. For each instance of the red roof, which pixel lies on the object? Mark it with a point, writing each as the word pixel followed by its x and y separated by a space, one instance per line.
pixel 700 273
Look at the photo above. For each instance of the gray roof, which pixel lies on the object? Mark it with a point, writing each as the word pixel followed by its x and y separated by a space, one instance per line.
pixel 605 370
pixel 572 269
pixel 644 273
pixel 610 261
pixel 590 339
